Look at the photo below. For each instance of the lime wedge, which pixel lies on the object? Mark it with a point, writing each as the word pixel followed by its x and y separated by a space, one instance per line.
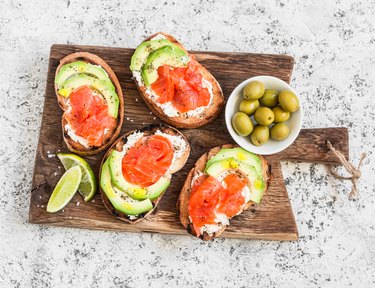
pixel 88 186
pixel 65 189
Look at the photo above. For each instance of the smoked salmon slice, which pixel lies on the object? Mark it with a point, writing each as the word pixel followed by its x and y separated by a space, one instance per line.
pixel 203 201
pixel 209 197
pixel 233 199
pixel 148 160
pixel 182 86
pixel 88 115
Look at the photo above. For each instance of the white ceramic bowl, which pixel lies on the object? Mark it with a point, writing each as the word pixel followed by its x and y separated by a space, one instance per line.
pixel 271 147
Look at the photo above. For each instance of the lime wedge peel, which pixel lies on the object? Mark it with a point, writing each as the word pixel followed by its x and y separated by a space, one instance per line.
pixel 65 189
pixel 88 185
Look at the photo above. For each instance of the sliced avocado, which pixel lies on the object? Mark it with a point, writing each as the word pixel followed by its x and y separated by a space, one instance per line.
pixel 144 49
pixel 239 154
pixel 79 67
pixel 121 201
pixel 257 184
pixel 135 191
pixel 79 80
pixel 174 57
pixel 159 187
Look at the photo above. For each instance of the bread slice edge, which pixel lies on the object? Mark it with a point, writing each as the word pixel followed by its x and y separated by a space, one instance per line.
pixel 183 200
pixel 210 113
pixel 75 146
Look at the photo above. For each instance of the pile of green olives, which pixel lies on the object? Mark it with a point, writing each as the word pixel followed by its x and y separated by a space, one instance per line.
pixel 269 109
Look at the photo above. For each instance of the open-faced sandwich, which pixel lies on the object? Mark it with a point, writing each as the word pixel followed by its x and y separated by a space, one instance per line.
pixel 137 170
pixel 223 183
pixel 173 84
pixel 90 95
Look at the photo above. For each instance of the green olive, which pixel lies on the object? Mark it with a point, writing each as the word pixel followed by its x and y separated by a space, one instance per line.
pixel 260 135
pixel 288 101
pixel 249 106
pixel 269 99
pixel 264 116
pixel 280 114
pixel 279 131
pixel 242 124
pixel 253 91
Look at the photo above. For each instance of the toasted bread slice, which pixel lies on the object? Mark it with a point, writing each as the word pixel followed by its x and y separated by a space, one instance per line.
pixel 75 146
pixel 183 200
pixel 118 145
pixel 183 121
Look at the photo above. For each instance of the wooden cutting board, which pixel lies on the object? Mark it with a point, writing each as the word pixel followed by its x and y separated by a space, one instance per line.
pixel 273 219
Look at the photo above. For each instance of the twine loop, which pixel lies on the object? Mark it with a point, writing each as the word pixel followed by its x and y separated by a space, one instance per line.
pixel 355 173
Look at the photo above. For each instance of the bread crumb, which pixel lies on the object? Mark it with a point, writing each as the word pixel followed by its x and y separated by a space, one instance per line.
pixel 50 155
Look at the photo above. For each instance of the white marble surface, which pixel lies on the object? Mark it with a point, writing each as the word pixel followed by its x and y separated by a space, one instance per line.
pixel 333 44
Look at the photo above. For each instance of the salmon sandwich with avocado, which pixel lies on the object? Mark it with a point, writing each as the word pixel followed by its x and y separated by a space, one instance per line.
pixel 90 95
pixel 138 168
pixel 173 84
pixel 223 183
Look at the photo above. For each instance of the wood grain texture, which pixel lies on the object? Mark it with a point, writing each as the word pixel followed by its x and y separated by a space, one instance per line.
pixel 273 219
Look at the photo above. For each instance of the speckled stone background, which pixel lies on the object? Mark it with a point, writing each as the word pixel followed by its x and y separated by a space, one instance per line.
pixel 334 47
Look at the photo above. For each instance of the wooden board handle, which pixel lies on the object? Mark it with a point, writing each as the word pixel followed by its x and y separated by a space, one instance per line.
pixel 311 146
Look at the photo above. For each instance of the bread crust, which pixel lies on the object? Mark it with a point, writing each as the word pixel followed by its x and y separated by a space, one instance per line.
pixel 72 145
pixel 118 144
pixel 209 114
pixel 183 200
